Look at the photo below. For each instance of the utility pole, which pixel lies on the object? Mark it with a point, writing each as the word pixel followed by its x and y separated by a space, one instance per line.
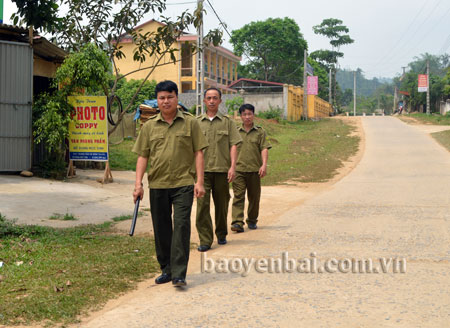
pixel 354 93
pixel 305 86
pixel 428 87
pixel 329 86
pixel 395 99
pixel 199 89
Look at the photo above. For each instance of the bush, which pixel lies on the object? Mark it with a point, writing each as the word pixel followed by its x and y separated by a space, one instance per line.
pixel 126 90
pixel 271 114
pixel 233 104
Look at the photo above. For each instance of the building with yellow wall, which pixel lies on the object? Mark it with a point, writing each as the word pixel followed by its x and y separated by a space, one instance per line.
pixel 220 63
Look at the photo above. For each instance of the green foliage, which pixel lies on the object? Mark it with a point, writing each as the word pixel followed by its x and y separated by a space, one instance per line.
pixel 126 90
pixel 42 14
pixel 234 104
pixel 87 69
pixel 275 47
pixel 334 30
pixel 51 124
pixel 271 114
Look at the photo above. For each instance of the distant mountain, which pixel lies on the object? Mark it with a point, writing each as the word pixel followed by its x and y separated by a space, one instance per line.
pixel 364 87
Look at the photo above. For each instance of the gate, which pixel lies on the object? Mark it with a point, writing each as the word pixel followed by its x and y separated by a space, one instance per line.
pixel 16 93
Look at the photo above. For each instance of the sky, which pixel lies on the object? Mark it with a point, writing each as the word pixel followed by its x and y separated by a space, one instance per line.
pixel 388 34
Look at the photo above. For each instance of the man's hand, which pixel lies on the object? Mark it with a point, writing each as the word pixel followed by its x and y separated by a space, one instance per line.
pixel 199 190
pixel 138 193
pixel 231 174
pixel 262 171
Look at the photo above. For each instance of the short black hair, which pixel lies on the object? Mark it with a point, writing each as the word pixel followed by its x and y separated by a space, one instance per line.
pixel 245 107
pixel 166 85
pixel 213 88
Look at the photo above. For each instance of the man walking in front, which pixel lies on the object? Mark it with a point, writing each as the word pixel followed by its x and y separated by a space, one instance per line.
pixel 250 168
pixel 220 167
pixel 172 142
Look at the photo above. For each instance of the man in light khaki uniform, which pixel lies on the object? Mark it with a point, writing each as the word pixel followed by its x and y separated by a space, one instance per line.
pixel 251 167
pixel 172 142
pixel 220 166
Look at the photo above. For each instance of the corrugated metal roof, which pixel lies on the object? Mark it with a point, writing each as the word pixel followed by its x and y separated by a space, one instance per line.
pixel 41 46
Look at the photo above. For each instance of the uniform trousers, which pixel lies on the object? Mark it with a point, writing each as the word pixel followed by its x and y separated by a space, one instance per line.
pixel 172 244
pixel 250 182
pixel 216 183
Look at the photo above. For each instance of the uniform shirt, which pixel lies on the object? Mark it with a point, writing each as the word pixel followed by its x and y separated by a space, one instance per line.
pixel 221 134
pixel 253 142
pixel 170 149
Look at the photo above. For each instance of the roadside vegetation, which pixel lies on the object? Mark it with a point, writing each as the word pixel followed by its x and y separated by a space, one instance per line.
pixel 51 276
pixel 302 151
pixel 443 138
pixel 423 118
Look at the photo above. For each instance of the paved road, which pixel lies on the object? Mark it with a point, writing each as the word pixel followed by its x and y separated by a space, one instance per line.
pixel 394 204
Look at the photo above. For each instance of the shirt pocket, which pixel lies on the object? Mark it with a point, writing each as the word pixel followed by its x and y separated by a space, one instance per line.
pixel 184 141
pixel 156 142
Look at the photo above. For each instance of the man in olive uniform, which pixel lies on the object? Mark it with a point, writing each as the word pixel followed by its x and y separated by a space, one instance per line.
pixel 220 167
pixel 172 142
pixel 250 168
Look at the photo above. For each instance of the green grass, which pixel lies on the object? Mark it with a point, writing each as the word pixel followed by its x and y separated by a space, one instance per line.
pixel 127 217
pixel 443 138
pixel 63 217
pixel 121 157
pixel 52 276
pixel 436 119
pixel 306 151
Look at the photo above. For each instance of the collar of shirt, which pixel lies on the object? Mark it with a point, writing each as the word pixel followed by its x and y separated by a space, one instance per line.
pixel 218 115
pixel 179 115
pixel 255 127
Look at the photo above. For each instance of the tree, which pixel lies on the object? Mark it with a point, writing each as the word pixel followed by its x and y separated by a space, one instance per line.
pixel 333 29
pixel 103 23
pixel 439 65
pixel 275 48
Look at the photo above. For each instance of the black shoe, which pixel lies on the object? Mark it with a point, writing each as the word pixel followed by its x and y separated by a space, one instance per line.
pixel 164 278
pixel 237 227
pixel 178 282
pixel 252 226
pixel 203 248
pixel 222 241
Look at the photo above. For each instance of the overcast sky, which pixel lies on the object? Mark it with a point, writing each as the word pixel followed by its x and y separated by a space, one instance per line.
pixel 387 33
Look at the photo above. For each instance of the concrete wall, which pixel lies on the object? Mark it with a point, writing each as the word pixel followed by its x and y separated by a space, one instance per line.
pixel 261 101
pixel 445 107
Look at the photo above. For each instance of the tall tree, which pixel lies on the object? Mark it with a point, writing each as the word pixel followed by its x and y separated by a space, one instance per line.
pixel 333 29
pixel 103 23
pixel 274 47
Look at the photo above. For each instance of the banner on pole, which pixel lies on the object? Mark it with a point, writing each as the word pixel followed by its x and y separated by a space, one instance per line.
pixel 88 131
pixel 313 85
pixel 422 83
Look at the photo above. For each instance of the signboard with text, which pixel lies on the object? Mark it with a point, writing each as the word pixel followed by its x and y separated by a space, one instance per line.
pixel 88 131
pixel 422 83
pixel 313 85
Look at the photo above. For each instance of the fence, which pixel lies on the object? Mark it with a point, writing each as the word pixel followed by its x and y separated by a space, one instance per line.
pixel 293 104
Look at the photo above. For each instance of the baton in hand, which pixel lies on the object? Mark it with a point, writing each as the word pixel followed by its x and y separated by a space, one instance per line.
pixel 135 214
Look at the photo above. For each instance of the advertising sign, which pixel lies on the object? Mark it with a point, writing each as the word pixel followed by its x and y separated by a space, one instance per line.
pixel 88 131
pixel 422 83
pixel 313 85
